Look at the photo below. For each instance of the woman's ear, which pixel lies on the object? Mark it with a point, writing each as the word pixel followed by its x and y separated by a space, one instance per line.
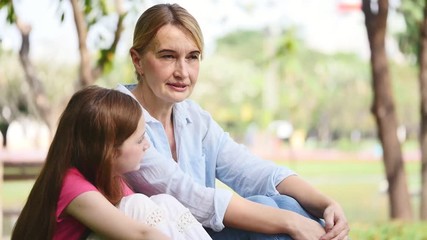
pixel 136 60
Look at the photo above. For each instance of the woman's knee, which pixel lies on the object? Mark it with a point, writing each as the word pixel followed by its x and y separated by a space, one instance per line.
pixel 286 202
pixel 291 204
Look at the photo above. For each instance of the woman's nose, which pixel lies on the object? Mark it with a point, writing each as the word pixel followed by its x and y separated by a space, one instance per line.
pixel 181 69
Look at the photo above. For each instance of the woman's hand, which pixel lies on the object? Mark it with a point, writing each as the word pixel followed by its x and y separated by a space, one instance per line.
pixel 336 224
pixel 306 229
pixel 319 205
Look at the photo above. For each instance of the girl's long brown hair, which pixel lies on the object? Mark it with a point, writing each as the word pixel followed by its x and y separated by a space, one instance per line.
pixel 91 129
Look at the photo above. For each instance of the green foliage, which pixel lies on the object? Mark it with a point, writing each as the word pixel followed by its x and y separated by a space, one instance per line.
pixel 327 96
pixel 13 96
pixel 11 16
pixel 389 231
pixel 409 41
pixel 94 10
pixel 222 75
pixel 57 78
pixel 317 92
pixel 407 96
pixel 122 73
pixel 245 45
pixel 287 45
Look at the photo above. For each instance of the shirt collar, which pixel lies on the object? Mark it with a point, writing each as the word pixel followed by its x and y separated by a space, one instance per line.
pixel 181 114
pixel 180 111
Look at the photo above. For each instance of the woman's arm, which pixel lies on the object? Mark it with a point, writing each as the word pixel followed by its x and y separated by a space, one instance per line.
pixel 244 214
pixel 95 212
pixel 318 204
pixel 159 174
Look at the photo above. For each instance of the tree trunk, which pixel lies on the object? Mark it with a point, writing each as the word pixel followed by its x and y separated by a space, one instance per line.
pixel 88 73
pixel 423 111
pixel 85 75
pixel 384 111
pixel 38 92
pixel 3 130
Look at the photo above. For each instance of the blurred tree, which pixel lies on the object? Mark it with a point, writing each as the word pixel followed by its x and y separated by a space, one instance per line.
pixel 413 42
pixel 410 40
pixel 315 91
pixel 86 14
pixel 376 13
pixel 423 111
pixel 13 103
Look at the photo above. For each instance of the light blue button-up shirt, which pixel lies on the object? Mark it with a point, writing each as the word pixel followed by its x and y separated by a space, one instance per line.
pixel 205 153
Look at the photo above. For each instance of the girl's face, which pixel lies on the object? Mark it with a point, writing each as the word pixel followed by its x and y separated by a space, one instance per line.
pixel 132 150
pixel 171 66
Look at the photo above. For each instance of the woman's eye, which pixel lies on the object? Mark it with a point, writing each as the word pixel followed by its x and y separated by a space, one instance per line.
pixel 168 56
pixel 194 57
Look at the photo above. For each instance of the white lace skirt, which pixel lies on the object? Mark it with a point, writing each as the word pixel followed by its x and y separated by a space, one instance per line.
pixel 165 213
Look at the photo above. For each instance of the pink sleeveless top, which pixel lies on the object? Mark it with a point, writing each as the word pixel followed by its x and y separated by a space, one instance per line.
pixel 74 184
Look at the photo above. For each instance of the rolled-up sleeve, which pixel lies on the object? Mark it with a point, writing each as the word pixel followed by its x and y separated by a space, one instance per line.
pixel 243 171
pixel 158 174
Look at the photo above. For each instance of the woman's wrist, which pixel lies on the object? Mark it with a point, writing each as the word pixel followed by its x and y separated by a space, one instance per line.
pixel 290 222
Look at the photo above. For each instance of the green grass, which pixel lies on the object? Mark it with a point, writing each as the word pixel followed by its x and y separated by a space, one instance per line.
pixel 15 193
pixel 389 231
pixel 356 185
pixel 359 187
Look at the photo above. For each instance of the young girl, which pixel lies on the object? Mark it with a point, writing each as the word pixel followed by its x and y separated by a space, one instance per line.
pixel 100 136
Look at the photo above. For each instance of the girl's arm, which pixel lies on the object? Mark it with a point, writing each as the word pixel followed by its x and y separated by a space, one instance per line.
pixel 94 211
pixel 318 204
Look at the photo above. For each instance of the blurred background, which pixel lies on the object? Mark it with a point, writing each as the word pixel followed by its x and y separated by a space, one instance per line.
pixel 291 79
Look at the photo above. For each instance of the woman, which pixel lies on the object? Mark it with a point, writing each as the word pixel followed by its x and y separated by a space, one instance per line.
pixel 166 53
pixel 100 136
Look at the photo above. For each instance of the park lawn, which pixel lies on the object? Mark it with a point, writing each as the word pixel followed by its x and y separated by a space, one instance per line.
pixel 358 185
pixel 389 231
pixel 15 193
